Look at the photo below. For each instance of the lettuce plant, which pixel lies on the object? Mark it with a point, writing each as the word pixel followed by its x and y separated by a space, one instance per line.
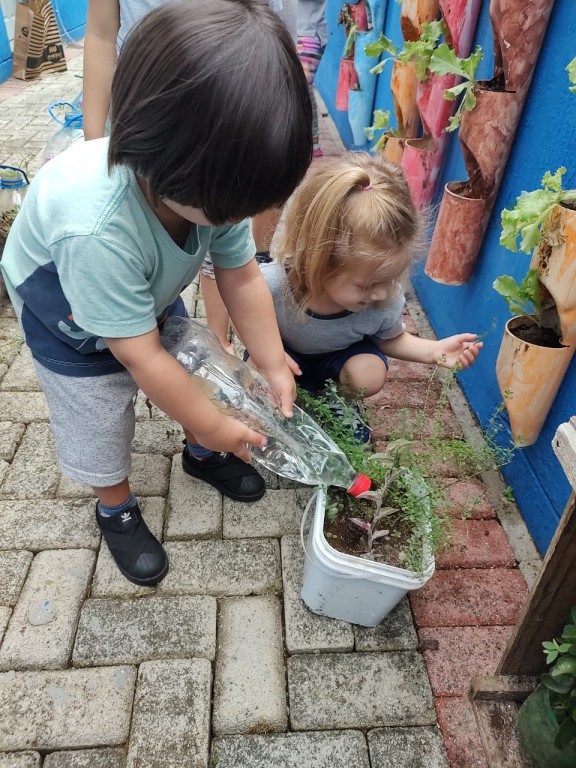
pixel 445 61
pixel 571 69
pixel 532 210
pixel 522 298
pixel 419 52
pixel 381 122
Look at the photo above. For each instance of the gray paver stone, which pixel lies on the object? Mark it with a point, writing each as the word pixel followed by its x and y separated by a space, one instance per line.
pixel 171 716
pixel 10 435
pixel 158 436
pixel 23 406
pixel 21 376
pixel 66 709
pixel 380 689
pixel 4 469
pixel 277 513
pixel 407 748
pixel 334 749
pixel 306 631
pixel 68 489
pixel 3 366
pixel 232 567
pixel 194 507
pixel 48 524
pixel 145 413
pixel 108 581
pixel 5 614
pixel 395 633
pixel 34 472
pixel 41 631
pixel 249 680
pixel 86 758
pixel 20 760
pixel 118 631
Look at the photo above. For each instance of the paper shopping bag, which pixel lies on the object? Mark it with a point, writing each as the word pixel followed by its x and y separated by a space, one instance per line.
pixel 37 42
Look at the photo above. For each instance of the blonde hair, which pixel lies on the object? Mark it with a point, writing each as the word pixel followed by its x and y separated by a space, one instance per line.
pixel 354 207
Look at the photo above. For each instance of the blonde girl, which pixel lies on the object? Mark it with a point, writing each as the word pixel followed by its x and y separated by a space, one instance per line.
pixel 351 234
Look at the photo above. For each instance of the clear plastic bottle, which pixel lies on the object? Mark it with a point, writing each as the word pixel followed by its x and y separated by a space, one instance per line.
pixel 70 117
pixel 296 448
pixel 13 187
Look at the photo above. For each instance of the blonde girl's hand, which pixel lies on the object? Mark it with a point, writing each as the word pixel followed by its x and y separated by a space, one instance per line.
pixel 231 436
pixel 283 386
pixel 460 350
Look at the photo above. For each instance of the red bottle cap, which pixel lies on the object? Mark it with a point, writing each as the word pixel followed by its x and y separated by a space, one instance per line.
pixel 361 483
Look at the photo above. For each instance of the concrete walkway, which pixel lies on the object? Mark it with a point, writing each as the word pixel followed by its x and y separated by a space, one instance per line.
pixel 222 665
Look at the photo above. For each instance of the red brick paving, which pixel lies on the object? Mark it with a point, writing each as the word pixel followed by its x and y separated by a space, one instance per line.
pixel 468 499
pixel 454 654
pixel 472 597
pixel 458 725
pixel 477 544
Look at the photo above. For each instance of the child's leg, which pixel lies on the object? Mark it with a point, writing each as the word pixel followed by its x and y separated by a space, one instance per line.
pixel 216 312
pixel 310 51
pixel 93 421
pixel 363 375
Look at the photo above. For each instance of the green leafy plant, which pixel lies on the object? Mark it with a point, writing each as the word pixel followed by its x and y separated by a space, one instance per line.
pixel 522 298
pixel 6 221
pixel 532 211
pixel 445 61
pixel 571 69
pixel 560 680
pixel 381 122
pixel 418 52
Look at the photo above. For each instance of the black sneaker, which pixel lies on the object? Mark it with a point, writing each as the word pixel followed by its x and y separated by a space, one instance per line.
pixel 137 553
pixel 227 473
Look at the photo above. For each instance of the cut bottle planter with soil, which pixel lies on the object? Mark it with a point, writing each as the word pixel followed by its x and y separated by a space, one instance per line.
pixel 529 376
pixel 537 727
pixel 349 587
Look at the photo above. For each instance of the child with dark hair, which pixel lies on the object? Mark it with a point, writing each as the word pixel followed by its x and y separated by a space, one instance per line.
pixel 351 234
pixel 112 230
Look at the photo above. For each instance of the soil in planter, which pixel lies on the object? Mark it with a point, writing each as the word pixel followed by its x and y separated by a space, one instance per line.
pixel 343 535
pixel 537 335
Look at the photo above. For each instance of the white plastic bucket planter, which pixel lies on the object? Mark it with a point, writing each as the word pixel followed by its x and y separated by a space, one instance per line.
pixel 351 588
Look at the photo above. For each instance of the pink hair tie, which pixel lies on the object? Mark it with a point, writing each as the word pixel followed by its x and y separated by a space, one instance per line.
pixel 367 187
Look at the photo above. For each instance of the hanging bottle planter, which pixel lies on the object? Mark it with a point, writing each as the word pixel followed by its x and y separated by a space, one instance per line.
pixel 538 346
pixel 487 133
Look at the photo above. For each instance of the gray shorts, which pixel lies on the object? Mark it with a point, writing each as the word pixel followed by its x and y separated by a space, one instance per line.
pixel 93 421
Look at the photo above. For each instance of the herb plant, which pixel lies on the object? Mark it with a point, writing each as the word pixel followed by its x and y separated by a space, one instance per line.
pixel 381 122
pixel 560 681
pixel 445 61
pixel 532 211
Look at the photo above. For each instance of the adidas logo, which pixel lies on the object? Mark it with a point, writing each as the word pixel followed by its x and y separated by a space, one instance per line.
pixel 126 517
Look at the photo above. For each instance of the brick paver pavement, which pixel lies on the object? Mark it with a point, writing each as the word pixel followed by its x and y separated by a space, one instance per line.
pixel 222 665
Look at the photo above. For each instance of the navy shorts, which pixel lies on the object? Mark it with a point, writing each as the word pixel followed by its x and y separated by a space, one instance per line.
pixel 317 369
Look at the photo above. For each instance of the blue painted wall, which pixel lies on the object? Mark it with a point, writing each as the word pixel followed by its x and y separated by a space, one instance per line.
pixel 546 139
pixel 71 18
pixel 5 52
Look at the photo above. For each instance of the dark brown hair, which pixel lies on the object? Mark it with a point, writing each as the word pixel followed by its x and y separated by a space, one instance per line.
pixel 210 105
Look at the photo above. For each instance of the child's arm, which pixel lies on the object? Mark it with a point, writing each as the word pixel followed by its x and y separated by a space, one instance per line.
pixel 462 349
pixel 248 300
pixel 102 28
pixel 172 389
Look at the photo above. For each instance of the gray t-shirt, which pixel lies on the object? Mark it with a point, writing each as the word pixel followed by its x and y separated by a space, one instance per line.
pixel 311 334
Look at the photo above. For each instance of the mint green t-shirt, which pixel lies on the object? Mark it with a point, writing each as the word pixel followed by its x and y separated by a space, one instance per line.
pixel 87 258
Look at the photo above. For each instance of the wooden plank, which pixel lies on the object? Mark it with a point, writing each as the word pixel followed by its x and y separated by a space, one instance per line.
pixel 497 722
pixel 564 445
pixel 547 606
pixel 503 687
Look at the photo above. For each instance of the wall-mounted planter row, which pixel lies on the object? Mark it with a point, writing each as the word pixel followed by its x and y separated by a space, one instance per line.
pixel 486 136
pixel 530 374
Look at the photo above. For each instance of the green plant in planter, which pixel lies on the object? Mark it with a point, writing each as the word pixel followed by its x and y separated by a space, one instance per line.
pixel 445 61
pixel 381 122
pixel 547 719
pixel 418 52
pixel 522 298
pixel 571 69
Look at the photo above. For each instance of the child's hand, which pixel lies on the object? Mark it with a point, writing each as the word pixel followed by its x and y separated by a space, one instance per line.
pixel 283 386
pixel 461 350
pixel 232 436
